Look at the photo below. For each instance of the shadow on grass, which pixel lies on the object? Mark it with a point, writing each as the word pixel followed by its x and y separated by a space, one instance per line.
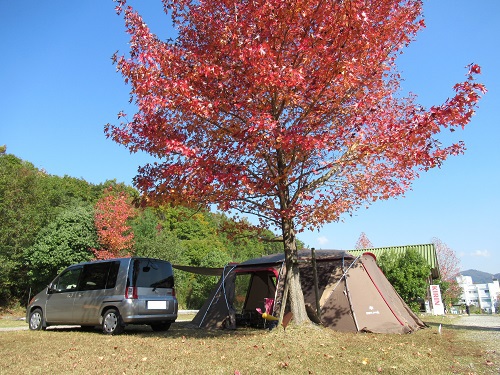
pixel 183 329
pixel 463 327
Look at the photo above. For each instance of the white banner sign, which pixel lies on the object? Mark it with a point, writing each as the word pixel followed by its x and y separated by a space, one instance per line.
pixel 437 303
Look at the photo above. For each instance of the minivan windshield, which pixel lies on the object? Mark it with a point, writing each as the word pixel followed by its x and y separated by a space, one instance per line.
pixel 152 273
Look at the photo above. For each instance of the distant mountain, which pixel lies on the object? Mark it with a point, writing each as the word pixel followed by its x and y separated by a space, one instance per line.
pixel 480 277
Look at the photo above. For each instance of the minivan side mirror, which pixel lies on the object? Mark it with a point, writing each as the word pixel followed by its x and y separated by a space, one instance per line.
pixel 50 289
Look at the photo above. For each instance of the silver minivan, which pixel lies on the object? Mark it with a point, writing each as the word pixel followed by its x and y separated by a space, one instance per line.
pixel 109 293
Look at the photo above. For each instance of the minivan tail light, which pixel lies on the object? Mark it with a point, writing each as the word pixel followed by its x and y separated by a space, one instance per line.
pixel 173 292
pixel 131 292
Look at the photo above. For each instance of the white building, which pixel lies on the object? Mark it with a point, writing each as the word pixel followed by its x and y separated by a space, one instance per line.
pixel 484 296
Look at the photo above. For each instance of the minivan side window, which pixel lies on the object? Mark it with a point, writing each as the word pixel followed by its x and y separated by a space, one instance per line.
pixel 99 276
pixel 152 274
pixel 94 276
pixel 67 281
pixel 113 274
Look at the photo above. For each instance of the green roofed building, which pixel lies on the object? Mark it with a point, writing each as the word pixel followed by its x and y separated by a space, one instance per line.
pixel 428 252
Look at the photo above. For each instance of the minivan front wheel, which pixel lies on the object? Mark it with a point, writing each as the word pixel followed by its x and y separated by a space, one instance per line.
pixel 112 322
pixel 36 320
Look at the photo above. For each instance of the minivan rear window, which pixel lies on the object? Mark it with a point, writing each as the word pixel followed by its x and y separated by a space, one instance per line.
pixel 150 273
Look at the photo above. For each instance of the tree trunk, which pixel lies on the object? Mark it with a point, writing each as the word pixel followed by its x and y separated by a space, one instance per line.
pixel 295 295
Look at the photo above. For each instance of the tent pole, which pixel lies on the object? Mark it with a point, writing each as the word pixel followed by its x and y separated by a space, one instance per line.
pixel 343 274
pixel 350 305
pixel 315 277
pixel 349 298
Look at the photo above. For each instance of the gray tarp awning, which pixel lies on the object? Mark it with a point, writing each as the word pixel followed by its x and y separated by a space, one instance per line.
pixel 200 270
pixel 267 260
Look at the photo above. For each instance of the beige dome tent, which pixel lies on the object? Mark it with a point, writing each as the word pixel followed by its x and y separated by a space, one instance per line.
pixel 353 293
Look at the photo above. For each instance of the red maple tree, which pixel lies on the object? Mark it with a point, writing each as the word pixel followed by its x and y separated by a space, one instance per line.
pixel 115 236
pixel 449 263
pixel 449 269
pixel 288 110
pixel 363 242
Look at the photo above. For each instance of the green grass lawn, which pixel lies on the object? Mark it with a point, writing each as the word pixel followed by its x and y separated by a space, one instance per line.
pixel 298 350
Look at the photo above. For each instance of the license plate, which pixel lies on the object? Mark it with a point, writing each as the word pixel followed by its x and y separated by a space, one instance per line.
pixel 157 305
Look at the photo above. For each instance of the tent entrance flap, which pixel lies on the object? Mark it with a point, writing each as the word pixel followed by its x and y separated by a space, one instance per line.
pixel 218 310
pixel 252 289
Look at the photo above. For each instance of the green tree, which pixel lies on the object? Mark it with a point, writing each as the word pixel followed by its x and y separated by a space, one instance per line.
pixel 200 245
pixel 201 285
pixel 23 212
pixel 152 240
pixel 8 283
pixel 30 200
pixel 245 241
pixel 197 238
pixel 408 273
pixel 65 241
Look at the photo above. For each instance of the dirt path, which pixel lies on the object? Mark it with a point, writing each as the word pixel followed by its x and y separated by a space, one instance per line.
pixel 184 316
pixel 485 331
pixel 481 328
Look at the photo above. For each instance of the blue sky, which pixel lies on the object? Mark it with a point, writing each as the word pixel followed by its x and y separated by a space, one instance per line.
pixel 58 88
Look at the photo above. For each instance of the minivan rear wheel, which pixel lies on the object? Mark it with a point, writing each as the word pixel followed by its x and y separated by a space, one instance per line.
pixel 36 320
pixel 112 322
pixel 160 327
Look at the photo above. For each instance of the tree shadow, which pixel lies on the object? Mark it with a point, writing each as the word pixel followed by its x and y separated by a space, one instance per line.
pixel 183 329
pixel 458 327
